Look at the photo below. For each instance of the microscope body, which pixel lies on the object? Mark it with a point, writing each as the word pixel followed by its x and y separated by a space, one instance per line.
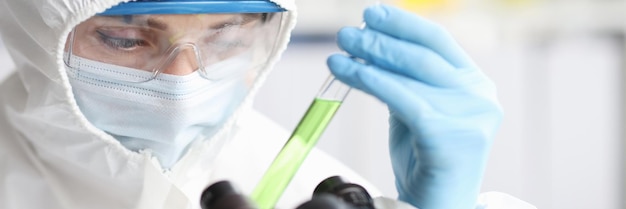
pixel 332 193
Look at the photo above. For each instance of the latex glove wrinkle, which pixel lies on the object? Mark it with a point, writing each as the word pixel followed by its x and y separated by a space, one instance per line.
pixel 443 110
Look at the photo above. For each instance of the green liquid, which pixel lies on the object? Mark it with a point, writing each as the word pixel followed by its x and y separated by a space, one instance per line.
pixel 302 140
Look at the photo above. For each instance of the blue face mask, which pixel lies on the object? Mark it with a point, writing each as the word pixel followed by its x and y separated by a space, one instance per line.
pixel 164 115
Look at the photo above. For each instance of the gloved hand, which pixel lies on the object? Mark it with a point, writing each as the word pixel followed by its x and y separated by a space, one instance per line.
pixel 444 111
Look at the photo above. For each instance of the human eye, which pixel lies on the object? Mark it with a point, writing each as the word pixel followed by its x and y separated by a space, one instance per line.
pixel 120 42
pixel 231 36
pixel 223 42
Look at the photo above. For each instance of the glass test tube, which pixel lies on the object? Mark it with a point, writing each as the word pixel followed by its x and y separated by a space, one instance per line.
pixel 302 140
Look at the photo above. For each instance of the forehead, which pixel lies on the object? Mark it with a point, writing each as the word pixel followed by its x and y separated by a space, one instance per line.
pixel 165 22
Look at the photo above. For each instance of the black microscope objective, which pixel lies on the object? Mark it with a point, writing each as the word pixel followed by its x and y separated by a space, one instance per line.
pixel 222 195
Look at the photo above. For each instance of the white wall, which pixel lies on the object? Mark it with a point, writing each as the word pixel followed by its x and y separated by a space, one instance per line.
pixel 574 138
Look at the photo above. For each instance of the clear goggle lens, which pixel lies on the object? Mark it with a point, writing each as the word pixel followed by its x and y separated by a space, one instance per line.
pixel 148 45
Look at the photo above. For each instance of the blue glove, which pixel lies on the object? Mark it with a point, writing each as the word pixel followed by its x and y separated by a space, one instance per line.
pixel 443 109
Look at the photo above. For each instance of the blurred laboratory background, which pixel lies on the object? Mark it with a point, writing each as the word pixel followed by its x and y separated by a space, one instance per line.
pixel 559 67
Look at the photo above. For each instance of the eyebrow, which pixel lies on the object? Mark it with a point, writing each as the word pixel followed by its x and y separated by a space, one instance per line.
pixel 247 18
pixel 151 22
pixel 155 23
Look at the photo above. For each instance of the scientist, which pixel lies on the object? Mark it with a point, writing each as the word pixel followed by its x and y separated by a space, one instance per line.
pixel 143 104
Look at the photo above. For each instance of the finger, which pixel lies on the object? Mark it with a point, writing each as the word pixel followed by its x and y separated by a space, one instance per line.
pixel 412 28
pixel 401 57
pixel 388 87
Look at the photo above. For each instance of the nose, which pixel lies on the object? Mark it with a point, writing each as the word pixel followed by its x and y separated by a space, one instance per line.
pixel 182 62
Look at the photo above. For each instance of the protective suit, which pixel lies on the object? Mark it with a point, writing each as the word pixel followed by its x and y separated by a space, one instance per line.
pixel 52 156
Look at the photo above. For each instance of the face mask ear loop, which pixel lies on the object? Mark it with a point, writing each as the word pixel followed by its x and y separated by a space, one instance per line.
pixel 71 47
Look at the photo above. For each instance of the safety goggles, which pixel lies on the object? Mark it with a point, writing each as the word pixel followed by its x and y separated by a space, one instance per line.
pixel 140 41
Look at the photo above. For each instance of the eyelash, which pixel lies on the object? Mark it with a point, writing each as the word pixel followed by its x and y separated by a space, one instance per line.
pixel 120 43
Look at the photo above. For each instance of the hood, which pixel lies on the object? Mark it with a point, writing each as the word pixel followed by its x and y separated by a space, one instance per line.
pixel 46 114
pixel 35 32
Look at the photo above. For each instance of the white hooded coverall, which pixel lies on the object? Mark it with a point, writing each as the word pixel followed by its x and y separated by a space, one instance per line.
pixel 52 157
